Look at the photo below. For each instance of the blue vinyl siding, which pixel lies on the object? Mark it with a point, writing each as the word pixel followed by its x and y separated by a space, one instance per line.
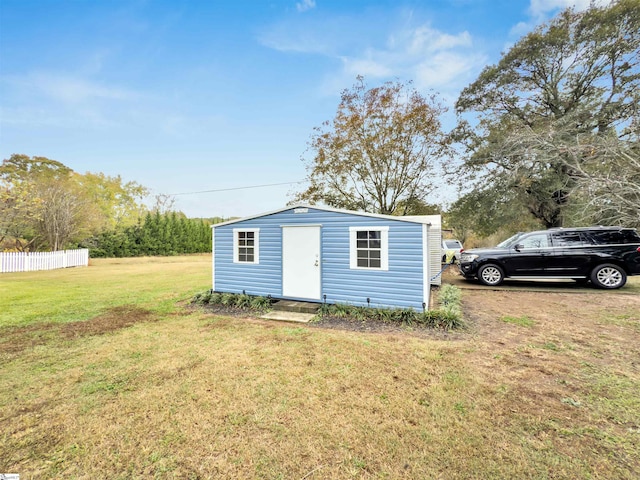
pixel 400 286
pixel 262 279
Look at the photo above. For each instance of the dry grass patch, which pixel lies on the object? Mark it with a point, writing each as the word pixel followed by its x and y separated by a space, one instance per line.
pixel 17 339
pixel 114 319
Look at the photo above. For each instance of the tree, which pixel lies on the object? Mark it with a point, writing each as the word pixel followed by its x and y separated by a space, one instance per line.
pixel 158 234
pixel 382 148
pixel 578 75
pixel 487 211
pixel 18 209
pixel 120 202
pixel 66 212
pixel 44 203
pixel 605 171
pixel 608 183
pixel 163 203
pixel 22 179
pixel 414 206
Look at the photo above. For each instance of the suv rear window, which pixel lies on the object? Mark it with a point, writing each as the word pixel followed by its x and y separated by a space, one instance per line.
pixel 614 237
pixel 569 239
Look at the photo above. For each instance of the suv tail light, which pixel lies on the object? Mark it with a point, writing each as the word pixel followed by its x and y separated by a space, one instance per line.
pixel 638 249
pixel 462 249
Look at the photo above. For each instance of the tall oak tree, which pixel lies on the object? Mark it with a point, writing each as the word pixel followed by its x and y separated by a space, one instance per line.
pixel 571 79
pixel 380 153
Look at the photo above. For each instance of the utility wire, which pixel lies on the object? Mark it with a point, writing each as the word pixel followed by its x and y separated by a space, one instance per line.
pixel 238 188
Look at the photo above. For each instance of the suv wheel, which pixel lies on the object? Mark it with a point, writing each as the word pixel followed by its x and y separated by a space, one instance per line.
pixel 491 275
pixel 608 276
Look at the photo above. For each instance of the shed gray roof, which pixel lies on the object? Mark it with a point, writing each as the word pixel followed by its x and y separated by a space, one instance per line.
pixel 431 220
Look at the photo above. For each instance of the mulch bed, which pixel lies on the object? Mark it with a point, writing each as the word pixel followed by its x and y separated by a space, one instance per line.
pixel 341 323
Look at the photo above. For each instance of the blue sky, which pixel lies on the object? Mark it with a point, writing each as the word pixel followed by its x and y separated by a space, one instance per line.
pixel 189 96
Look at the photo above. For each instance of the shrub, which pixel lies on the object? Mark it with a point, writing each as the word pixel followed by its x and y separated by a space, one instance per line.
pixel 448 316
pixel 260 304
pixel 242 301
pixel 232 300
pixel 450 295
pixel 202 298
pixel 227 299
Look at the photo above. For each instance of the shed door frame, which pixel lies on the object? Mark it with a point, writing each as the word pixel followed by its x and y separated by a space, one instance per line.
pixel 301 261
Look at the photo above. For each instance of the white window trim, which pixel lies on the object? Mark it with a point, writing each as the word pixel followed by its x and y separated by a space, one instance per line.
pixel 384 248
pixel 256 245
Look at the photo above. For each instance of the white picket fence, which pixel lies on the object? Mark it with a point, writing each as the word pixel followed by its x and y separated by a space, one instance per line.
pixel 32 261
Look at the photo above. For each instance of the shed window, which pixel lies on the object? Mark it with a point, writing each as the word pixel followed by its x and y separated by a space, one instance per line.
pixel 369 248
pixel 245 245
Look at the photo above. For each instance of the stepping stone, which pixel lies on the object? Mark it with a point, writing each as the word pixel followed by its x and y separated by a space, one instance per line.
pixel 289 316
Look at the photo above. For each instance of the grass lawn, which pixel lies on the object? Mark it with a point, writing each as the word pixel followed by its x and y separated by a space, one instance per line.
pixel 104 373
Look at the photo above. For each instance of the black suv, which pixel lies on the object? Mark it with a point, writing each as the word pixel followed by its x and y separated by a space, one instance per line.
pixel 603 255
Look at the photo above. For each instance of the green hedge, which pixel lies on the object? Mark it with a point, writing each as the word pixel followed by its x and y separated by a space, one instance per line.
pixel 168 234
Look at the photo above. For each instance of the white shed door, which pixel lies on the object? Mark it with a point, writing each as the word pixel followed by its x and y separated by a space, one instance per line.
pixel 301 262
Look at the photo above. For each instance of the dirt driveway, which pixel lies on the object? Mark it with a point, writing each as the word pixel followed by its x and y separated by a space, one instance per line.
pixel 560 312
pixel 565 362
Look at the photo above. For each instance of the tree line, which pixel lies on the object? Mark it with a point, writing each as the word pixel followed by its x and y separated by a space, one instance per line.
pixel 45 205
pixel 156 234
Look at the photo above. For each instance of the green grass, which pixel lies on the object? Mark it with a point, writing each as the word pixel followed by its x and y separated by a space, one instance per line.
pixel 633 285
pixel 116 378
pixel 75 294
pixel 523 321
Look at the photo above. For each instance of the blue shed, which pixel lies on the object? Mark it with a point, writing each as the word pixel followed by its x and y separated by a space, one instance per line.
pixel 313 253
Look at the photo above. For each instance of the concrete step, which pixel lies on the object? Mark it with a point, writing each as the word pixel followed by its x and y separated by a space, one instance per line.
pixel 289 316
pixel 293 306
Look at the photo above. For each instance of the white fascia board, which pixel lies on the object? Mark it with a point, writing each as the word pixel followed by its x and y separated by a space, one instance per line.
pixel 420 219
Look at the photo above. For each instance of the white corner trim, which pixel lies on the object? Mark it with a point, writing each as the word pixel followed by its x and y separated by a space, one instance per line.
pixel 426 279
pixel 213 259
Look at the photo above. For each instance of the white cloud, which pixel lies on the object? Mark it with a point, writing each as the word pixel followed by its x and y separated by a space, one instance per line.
pixel 383 49
pixel 303 43
pixel 447 69
pixel 78 90
pixel 66 101
pixel 540 11
pixel 426 39
pixel 539 8
pixel 520 29
pixel 366 66
pixel 305 5
pixel 432 58
pixel 66 89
